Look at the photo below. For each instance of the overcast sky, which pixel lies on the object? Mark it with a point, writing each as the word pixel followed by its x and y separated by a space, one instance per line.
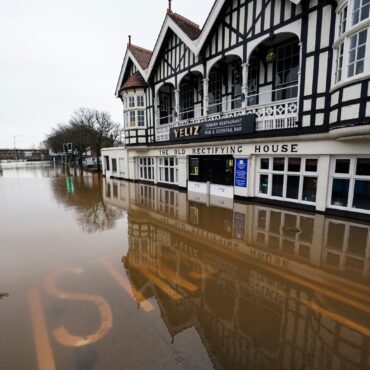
pixel 57 56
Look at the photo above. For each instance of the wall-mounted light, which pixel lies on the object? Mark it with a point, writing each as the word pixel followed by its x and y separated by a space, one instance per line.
pixel 271 56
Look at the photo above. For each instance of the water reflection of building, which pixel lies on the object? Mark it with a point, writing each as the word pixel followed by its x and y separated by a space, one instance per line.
pixel 264 287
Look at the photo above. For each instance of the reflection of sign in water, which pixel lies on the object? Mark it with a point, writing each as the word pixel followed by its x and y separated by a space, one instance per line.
pixel 70 184
pixel 239 226
pixel 241 171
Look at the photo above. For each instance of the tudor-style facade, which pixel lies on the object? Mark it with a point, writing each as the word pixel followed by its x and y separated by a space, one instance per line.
pixel 269 100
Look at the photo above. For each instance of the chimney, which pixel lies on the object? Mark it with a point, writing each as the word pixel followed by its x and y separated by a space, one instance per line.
pixel 129 40
pixel 169 10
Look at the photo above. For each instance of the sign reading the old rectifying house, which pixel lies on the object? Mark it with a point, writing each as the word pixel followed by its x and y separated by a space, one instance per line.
pixel 217 128
pixel 241 172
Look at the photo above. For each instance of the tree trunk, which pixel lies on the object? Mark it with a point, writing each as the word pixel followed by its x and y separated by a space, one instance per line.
pixel 98 159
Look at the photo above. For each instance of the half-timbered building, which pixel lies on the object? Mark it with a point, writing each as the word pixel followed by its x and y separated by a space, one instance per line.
pixel 268 101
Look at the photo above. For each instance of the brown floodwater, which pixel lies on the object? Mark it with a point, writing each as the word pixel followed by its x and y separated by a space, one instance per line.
pixel 106 274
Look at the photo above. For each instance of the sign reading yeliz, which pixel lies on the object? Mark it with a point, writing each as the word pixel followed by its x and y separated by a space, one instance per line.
pixel 222 127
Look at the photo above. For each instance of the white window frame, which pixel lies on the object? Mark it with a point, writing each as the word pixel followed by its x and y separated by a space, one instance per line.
pixel 162 167
pixel 116 165
pixel 344 38
pixel 352 177
pixel 132 107
pixel 144 164
pixel 270 172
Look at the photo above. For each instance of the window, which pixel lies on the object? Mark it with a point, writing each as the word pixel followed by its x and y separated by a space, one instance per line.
pixel 140 100
pixel 287 64
pixel 140 118
pixel 360 11
pixel 293 178
pixel 350 184
pixel 114 165
pixel 131 101
pixel 350 47
pixel 215 91
pixel 186 100
pixel 134 114
pixel 236 78
pixel 253 72
pixel 356 53
pixel 168 170
pixel 342 21
pixel 132 119
pixel 194 166
pixel 146 169
pixel 339 62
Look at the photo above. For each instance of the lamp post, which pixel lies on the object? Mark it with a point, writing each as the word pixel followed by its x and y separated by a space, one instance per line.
pixel 15 147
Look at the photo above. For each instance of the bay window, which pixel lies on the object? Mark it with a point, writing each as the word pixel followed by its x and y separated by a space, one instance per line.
pixel 351 54
pixel 134 111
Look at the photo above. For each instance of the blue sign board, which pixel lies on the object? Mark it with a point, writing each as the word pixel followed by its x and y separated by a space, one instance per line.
pixel 241 172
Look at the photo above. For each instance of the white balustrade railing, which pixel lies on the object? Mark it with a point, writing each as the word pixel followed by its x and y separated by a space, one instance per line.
pixel 275 115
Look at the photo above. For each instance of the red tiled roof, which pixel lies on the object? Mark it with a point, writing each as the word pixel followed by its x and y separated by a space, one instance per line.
pixel 141 55
pixel 135 80
pixel 189 27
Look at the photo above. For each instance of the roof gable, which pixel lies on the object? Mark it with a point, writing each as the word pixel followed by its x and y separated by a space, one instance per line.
pixel 189 33
pixel 190 28
pixel 182 27
pixel 216 9
pixel 140 57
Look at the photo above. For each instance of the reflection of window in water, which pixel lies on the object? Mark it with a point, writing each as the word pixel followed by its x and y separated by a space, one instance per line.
pixel 168 201
pixel 194 215
pixel 115 190
pixel 146 196
pixel 289 232
pixel 123 191
pixel 346 244
pixel 107 190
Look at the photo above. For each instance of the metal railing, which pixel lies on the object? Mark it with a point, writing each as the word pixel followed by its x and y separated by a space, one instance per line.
pixel 271 115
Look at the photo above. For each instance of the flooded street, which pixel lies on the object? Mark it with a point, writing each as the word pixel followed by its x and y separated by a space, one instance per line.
pixel 106 274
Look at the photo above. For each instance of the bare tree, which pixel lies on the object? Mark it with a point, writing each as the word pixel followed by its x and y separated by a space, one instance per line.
pixel 86 129
pixel 105 132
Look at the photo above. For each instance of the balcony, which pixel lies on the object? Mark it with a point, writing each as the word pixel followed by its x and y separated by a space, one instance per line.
pixel 269 115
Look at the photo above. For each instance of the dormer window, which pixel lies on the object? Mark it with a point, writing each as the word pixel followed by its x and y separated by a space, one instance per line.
pixel 134 111
pixel 352 55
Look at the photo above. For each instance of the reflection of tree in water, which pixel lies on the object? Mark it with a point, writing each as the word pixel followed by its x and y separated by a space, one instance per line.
pixel 86 197
pixel 3 295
